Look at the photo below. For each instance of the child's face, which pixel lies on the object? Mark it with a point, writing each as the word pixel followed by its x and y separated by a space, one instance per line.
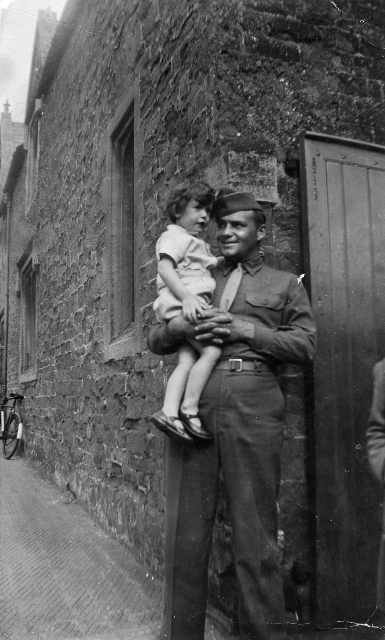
pixel 194 218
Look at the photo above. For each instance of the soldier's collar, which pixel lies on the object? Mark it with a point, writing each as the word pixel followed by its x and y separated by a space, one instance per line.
pixel 251 266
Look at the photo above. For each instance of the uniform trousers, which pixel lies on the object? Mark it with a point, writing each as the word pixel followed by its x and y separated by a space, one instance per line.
pixel 244 411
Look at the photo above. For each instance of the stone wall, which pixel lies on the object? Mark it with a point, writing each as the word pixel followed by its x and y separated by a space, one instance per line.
pixel 87 419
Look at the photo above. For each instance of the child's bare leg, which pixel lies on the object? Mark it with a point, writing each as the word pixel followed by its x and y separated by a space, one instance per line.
pixel 176 384
pixel 197 380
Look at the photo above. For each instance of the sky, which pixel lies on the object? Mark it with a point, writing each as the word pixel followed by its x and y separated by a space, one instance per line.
pixel 17 32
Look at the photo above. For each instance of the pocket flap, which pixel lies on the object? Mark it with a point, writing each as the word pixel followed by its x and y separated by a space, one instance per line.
pixel 262 300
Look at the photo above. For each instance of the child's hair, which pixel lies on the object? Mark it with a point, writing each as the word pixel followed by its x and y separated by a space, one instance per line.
pixel 183 193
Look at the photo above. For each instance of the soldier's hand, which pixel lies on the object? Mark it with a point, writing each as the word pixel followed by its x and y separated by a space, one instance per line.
pixel 224 328
pixel 211 328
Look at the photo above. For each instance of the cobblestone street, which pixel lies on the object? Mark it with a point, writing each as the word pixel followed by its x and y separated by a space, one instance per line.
pixel 61 576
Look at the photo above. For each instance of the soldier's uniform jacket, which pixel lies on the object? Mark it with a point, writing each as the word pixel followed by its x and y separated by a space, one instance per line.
pixel 277 305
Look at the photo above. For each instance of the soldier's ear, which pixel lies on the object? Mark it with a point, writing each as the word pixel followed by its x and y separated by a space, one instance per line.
pixel 261 232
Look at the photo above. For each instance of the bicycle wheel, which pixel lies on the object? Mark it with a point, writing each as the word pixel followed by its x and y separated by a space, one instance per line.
pixel 11 439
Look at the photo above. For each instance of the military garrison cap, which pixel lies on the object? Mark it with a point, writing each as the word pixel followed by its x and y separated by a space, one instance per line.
pixel 230 201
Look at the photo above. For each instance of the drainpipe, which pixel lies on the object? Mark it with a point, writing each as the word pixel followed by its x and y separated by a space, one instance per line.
pixel 6 323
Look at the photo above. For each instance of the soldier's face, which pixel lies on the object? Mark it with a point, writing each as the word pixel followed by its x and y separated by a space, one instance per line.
pixel 239 236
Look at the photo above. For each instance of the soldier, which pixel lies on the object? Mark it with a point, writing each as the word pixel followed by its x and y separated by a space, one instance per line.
pixel 269 322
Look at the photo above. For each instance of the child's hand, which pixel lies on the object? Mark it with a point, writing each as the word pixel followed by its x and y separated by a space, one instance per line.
pixel 192 307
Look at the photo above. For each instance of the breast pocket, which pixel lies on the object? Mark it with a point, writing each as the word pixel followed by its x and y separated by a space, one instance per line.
pixel 265 306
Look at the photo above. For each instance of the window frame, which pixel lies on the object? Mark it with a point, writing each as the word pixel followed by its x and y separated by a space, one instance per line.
pixel 33 155
pixel 28 266
pixel 118 345
pixel 2 349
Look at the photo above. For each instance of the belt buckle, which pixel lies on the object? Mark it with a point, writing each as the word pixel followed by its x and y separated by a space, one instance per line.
pixel 235 364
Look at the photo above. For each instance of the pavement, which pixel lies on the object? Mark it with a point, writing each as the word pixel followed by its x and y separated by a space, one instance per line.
pixel 61 577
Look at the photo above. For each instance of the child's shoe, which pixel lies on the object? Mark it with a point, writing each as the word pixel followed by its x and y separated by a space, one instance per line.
pixel 168 425
pixel 198 431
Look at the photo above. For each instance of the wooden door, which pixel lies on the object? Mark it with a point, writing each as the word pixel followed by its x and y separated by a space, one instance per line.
pixel 344 191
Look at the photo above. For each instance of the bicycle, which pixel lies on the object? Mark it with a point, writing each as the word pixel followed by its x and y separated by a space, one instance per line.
pixel 11 425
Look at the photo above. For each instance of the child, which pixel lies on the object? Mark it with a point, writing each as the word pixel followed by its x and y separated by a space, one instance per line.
pixel 185 286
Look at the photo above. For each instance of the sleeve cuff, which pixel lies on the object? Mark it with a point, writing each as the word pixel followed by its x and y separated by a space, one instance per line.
pixel 159 340
pixel 260 339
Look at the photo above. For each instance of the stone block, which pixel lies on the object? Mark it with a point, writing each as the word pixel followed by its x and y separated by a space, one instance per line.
pixel 300 31
pixel 254 172
pixel 272 48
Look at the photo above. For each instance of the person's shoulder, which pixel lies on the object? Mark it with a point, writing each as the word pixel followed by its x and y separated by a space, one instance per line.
pixel 217 269
pixel 276 275
pixel 170 230
pixel 173 233
pixel 163 235
pixel 379 369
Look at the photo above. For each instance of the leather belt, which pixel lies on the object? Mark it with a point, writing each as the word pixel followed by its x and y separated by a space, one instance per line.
pixel 239 364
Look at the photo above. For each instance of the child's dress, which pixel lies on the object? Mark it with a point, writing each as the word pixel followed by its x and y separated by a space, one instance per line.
pixel 193 262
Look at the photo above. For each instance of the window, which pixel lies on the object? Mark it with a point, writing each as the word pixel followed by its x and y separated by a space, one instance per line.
pixel 28 285
pixel 2 348
pixel 124 219
pixel 33 146
pixel 3 244
pixel 123 240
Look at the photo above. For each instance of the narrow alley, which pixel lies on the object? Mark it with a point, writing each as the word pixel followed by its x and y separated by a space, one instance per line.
pixel 61 576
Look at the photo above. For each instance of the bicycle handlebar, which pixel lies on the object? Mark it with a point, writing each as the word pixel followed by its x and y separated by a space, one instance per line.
pixel 13 396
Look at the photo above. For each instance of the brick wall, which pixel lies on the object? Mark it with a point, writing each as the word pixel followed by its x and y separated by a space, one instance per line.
pixel 225 90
